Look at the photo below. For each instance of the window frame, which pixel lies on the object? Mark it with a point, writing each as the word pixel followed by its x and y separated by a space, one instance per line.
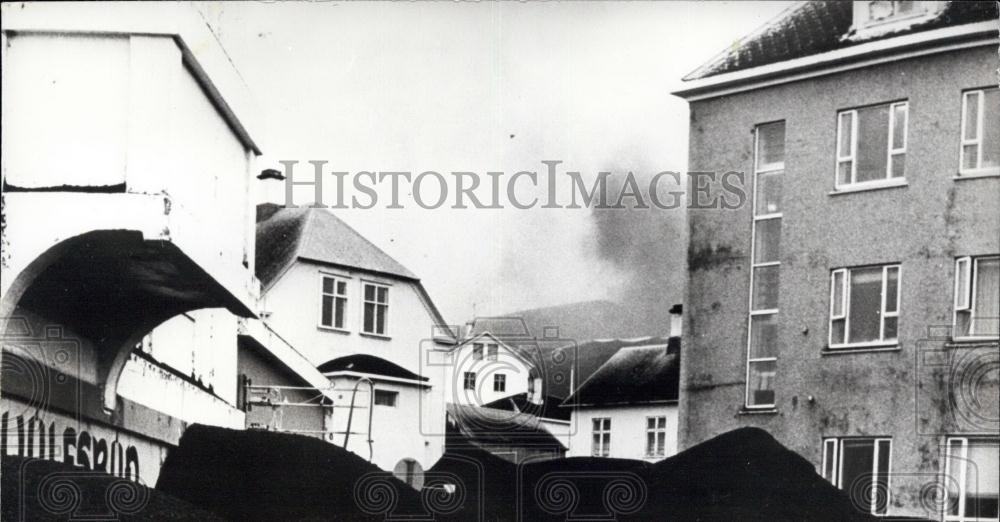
pixel 890 152
pixel 963 142
pixel 337 279
pixel 499 382
pixel 386 393
pixel 603 432
pixel 385 309
pixel 845 305
pixel 659 435
pixel 838 468
pixel 962 489
pixel 469 381
pixel 477 351
pixel 492 351
pixel 758 169
pixel 969 306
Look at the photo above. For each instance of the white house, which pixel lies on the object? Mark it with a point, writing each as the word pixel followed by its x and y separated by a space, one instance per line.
pixel 628 407
pixel 485 369
pixel 367 323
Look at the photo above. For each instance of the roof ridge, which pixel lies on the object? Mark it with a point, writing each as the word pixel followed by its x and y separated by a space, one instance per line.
pixel 412 276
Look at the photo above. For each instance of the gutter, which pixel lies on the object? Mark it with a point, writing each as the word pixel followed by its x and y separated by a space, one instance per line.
pixel 923 43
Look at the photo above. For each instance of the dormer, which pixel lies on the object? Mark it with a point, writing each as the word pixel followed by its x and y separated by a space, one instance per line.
pixel 878 17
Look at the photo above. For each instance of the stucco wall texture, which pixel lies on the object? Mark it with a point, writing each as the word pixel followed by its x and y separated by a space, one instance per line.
pixel 923 225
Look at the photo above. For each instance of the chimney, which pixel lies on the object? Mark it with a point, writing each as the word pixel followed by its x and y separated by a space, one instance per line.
pixel 676 316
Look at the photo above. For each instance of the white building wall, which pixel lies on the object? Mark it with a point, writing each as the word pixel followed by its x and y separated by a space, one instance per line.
pixel 414 429
pixel 514 368
pixel 628 430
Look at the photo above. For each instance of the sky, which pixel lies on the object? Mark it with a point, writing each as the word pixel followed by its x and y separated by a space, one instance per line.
pixel 482 87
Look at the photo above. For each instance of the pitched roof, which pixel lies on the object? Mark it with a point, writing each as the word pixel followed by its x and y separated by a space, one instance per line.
pixel 491 427
pixel 548 409
pixel 500 327
pixel 315 234
pixel 809 28
pixel 633 375
pixel 364 363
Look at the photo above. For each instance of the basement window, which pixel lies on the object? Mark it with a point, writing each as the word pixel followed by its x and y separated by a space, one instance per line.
pixel 871 146
pixel 977 298
pixel 970 480
pixel 860 466
pixel 864 306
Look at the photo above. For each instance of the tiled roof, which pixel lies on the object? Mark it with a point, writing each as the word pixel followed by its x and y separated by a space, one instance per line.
pixel 285 234
pixel 364 363
pixel 633 375
pixel 809 28
pixel 548 409
pixel 492 427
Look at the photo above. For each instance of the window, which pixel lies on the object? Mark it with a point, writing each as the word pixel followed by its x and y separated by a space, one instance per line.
pixel 861 467
pixel 333 302
pixel 871 144
pixel 385 398
pixel 977 297
pixel 656 436
pixel 881 9
pixel 980 132
pixel 971 480
pixel 492 351
pixel 470 380
pixel 477 351
pixel 376 308
pixel 765 265
pixel 864 306
pixel 602 437
pixel 499 382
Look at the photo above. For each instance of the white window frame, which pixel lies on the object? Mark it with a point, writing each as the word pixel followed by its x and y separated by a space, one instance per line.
pixel 337 279
pixel 469 380
pixel 852 156
pixel 845 314
pixel 978 170
pixel 659 436
pixel 477 351
pixel 967 303
pixel 962 486
pixel 838 468
pixel 364 308
pixel 603 431
pixel 499 382
pixel 492 351
pixel 769 168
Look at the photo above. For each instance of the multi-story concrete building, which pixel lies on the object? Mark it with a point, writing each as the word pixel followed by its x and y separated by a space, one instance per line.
pixel 850 306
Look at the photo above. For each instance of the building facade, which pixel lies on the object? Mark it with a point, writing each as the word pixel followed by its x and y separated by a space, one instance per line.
pixel 127 158
pixel 628 408
pixel 849 304
pixel 332 294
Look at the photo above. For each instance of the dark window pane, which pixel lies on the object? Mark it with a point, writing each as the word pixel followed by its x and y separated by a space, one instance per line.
pixel 763 336
pixel 327 311
pixel 770 143
pixel 341 287
pixel 898 165
pixel 765 287
pixel 767 240
pixel 369 317
pixel 991 129
pixel 327 285
pixel 891 289
pixel 339 318
pixel 769 192
pixel 986 316
pixel 857 456
pixel 873 143
pixel 762 383
pixel 837 334
pixel 881 493
pixel 899 126
pixel 383 294
pixel 380 319
pixel 865 305
pixel 369 292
